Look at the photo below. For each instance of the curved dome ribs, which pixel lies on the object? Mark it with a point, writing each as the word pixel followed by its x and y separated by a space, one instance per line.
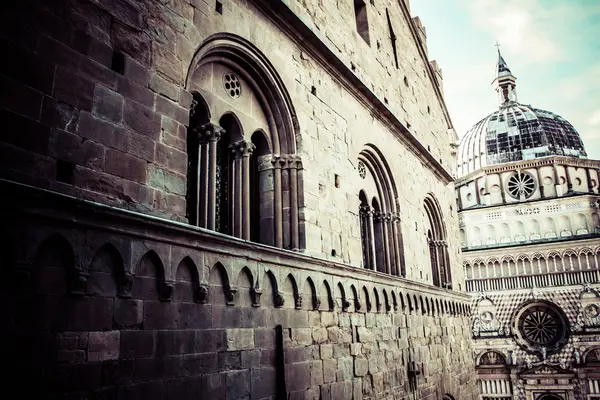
pixel 515 131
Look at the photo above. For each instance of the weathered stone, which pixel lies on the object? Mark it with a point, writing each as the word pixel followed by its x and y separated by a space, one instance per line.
pixel 361 366
pixel 240 339
pixel 104 346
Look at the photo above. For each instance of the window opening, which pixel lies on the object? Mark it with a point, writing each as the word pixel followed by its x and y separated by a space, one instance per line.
pixel 362 22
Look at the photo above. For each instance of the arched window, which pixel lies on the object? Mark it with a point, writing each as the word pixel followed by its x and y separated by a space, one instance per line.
pixel 381 237
pixel 438 246
pixel 244 176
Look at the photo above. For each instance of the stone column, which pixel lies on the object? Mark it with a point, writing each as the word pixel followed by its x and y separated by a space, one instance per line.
pixel 242 150
pixel 371 230
pixel 236 195
pixel 246 154
pixel 477 197
pixel 278 162
pixel 209 135
pixel 398 245
pixel 364 234
pixel 385 221
pixel 293 168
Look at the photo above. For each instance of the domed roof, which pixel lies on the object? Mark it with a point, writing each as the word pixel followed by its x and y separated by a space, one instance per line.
pixel 515 132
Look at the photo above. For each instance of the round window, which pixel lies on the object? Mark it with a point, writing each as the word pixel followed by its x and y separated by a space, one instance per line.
pixel 362 171
pixel 232 85
pixel 521 185
pixel 542 325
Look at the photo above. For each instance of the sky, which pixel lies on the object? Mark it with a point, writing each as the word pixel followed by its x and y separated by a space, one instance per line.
pixel 551 46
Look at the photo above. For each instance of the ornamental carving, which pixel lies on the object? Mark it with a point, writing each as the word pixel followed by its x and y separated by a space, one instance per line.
pixel 541 327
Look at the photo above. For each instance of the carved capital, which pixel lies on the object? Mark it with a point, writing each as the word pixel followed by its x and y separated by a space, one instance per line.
pixel 208 132
pixel 278 161
pixel 201 294
pixel 345 305
pixel 242 148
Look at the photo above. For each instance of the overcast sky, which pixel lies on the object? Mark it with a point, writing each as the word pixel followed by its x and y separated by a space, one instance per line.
pixel 551 46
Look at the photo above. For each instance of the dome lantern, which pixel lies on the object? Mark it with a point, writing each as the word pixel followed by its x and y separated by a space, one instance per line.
pixel 505 82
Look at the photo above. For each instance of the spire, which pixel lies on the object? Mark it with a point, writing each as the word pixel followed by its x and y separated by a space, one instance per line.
pixel 505 82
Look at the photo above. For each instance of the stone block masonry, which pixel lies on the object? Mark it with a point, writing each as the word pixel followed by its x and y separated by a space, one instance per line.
pixel 103 303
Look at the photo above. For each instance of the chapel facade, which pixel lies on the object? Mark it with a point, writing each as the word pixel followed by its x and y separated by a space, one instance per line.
pixel 222 199
pixel 528 201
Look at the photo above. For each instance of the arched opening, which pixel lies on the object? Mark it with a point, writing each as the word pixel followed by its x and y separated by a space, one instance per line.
pixel 232 78
pixel 438 247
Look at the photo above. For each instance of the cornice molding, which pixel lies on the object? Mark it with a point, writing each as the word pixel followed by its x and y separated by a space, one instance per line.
pixel 538 162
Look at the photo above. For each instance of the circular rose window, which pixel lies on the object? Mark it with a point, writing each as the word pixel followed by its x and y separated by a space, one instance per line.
pixel 541 324
pixel 521 185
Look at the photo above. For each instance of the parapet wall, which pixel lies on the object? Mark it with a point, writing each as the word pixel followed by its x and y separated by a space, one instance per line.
pixel 105 303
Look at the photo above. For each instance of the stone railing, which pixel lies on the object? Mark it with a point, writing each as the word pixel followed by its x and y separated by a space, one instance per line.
pixel 104 300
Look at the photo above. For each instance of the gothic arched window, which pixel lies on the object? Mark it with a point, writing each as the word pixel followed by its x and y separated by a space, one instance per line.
pixel 438 246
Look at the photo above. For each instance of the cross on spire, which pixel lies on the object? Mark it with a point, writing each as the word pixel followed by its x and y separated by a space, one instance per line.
pixel 498 46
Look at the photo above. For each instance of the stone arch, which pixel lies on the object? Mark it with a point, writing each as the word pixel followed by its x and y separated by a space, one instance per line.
pixel 365 293
pixel 234 53
pixel 508 265
pixel 341 300
pixel 187 281
pixel 586 258
pixel 355 303
pixel 394 300
pixel 423 306
pixel 329 301
pixel 289 291
pixel 410 303
pixel 271 289
pixel 107 273
pixel 386 300
pixel 149 277
pixel 377 300
pixel 54 266
pixel 437 307
pixel 219 285
pixel 555 262
pixel 490 357
pixel 245 286
pixel 310 291
pixel 592 355
pixel 447 397
pixel 402 302
pixel 438 246
pixel 571 260
pixel 416 303
pixel 386 219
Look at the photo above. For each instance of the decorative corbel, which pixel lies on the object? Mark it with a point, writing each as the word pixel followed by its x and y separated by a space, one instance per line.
pixel 230 295
pixel 201 294
pixel 357 304
pixel 125 286
pixel 316 303
pixel 166 291
pixel 298 302
pixel 255 294
pixel 78 282
pixel 279 300
pixel 345 305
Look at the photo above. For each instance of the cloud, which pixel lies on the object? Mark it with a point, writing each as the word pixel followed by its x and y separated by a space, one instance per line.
pixel 595 118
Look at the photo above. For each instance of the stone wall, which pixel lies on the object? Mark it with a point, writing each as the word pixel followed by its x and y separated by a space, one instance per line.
pixel 97 98
pixel 104 303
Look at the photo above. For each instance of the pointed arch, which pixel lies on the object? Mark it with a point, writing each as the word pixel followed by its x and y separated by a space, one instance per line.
pixel 386 300
pixel 271 289
pixel 384 219
pixel 245 286
pixel 310 291
pixel 394 301
pixel 286 226
pixel 186 280
pixel 438 245
pixel 355 298
pixel 329 300
pixel 219 284
pixel 376 300
pixel 107 272
pixel 149 277
pixel 367 298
